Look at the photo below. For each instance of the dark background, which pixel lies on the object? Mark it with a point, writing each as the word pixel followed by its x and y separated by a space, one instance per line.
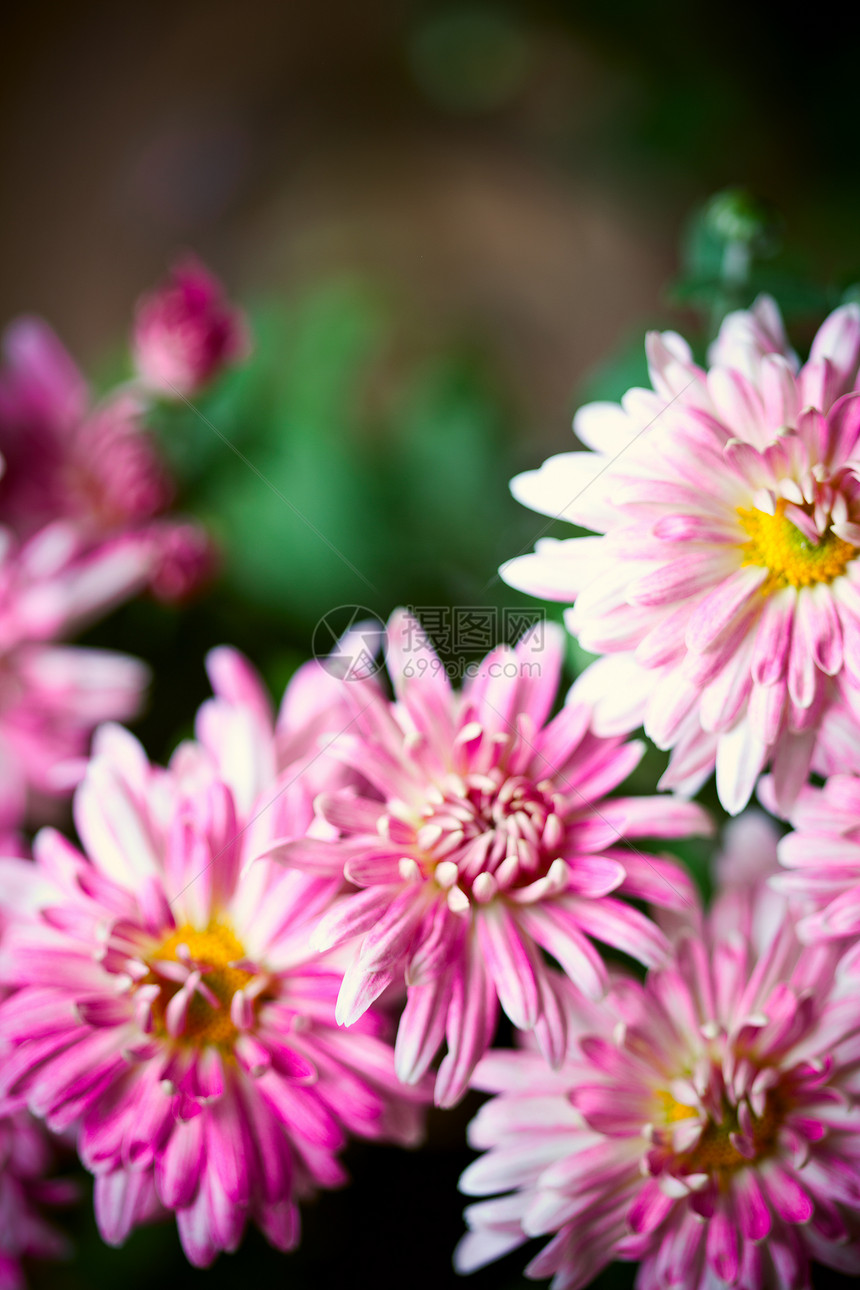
pixel 452 223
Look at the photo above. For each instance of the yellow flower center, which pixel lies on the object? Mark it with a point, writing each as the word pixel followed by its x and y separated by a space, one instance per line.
pixel 780 546
pixel 212 951
pixel 672 1110
pixel 715 1152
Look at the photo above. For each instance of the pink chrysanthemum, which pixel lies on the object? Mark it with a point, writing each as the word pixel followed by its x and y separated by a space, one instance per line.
pixel 726 587
pixel 52 695
pixel 487 837
pixel 172 1010
pixel 704 1123
pixel 25 1188
pixel 822 858
pixel 94 467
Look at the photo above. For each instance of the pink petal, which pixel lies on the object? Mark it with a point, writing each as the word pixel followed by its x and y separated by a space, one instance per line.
pixel 177 1168
pixel 741 756
pixel 313 855
pixel 788 1197
pixel 619 925
pixel 472 1016
pixel 558 932
pixel 767 709
pixel 723 1247
pixel 422 1028
pixel 801 666
pixel 753 1210
pixel 348 812
pixel 678 579
pixel 773 637
pixel 649 1209
pixel 510 964
pixel 360 987
pixel 233 678
pixel 353 915
pixel 715 612
pixel 838 339
pixel 825 630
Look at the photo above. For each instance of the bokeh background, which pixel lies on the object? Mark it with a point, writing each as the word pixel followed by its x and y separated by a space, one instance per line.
pixel 451 223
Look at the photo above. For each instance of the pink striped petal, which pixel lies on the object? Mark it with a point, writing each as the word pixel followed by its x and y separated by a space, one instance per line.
pixel 510 963
pixel 715 612
pixel 619 925
pixel 723 1247
pixel 422 1028
pixel 313 855
pixel 352 916
pixel 472 1016
pixel 825 630
pixel 557 930
pixel 677 580
pixel 773 637
pixel 649 1209
pixel 790 1200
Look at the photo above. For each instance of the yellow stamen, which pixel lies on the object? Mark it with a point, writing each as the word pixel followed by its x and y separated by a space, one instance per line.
pixel 672 1110
pixel 216 948
pixel 778 545
pixel 715 1152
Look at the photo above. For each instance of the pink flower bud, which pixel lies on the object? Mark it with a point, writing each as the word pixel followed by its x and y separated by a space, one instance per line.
pixel 186 332
pixel 184 559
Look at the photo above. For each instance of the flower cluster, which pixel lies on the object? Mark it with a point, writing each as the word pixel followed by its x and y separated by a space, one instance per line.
pixel 704 1122
pixel 83 526
pixel 308 924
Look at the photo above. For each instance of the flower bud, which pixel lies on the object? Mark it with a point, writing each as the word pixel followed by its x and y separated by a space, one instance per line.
pixel 184 559
pixel 186 332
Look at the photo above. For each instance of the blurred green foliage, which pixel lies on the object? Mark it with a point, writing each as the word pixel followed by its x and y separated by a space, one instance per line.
pixel 734 249
pixel 344 464
pixel 471 57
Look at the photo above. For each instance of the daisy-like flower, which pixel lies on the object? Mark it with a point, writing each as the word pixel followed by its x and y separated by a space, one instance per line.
pixel 704 1122
pixel 52 695
pixel 821 858
pixel 486 838
pixel 26 1160
pixel 171 1010
pixel 95 467
pixel 725 588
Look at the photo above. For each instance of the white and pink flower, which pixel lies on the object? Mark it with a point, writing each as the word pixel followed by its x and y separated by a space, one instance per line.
pixel 168 1005
pixel 485 837
pixel 725 588
pixel 704 1123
